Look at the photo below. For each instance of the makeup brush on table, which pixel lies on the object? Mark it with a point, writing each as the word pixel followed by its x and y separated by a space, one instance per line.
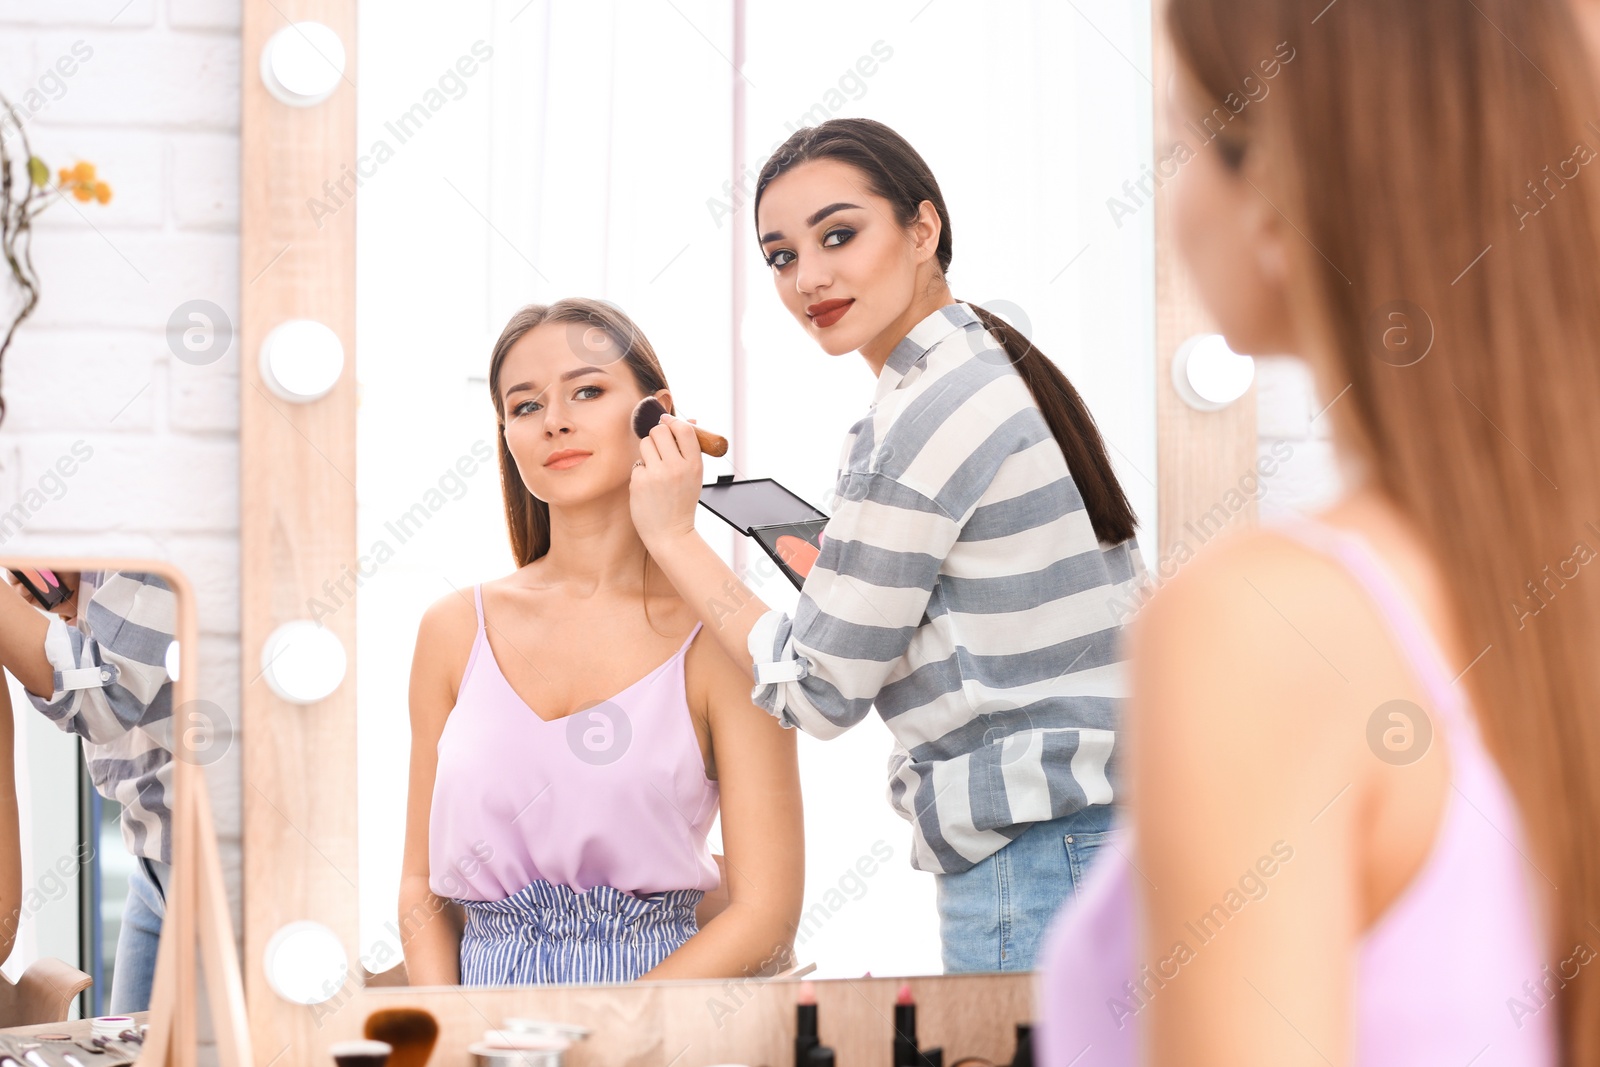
pixel 410 1031
pixel 647 413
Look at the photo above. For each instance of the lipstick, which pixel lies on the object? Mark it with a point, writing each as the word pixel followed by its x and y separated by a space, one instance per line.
pixel 906 1052
pixel 905 1028
pixel 805 1033
pixel 1024 1054
pixel 828 312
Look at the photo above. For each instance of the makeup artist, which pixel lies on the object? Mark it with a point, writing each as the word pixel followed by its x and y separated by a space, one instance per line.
pixel 100 672
pixel 978 541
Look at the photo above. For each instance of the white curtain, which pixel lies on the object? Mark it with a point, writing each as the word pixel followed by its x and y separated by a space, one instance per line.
pixel 592 155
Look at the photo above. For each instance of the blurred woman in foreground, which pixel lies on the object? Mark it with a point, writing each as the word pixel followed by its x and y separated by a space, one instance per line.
pixel 1365 747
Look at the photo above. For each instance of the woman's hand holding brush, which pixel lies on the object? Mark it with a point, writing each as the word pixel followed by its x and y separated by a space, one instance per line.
pixel 662 498
pixel 647 416
pixel 666 481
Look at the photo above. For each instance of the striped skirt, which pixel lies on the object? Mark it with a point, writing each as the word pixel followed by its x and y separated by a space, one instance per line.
pixel 548 933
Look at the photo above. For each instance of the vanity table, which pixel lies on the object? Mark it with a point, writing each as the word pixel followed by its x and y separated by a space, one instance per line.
pixel 689 1024
pixel 76 1028
pixel 15 1039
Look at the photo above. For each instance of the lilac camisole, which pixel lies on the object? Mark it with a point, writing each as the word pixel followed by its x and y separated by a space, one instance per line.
pixel 614 795
pixel 1439 976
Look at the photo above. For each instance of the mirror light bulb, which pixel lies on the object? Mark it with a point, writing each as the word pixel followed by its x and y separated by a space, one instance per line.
pixel 301 360
pixel 1208 374
pixel 301 64
pixel 303 662
pixel 305 963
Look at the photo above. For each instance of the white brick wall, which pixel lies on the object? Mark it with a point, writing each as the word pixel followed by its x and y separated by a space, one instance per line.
pixel 156 108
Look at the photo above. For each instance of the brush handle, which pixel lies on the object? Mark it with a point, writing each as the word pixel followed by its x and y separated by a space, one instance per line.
pixel 711 444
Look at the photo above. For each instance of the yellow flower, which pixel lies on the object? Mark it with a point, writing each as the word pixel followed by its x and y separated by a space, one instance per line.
pixel 83 172
pixel 102 193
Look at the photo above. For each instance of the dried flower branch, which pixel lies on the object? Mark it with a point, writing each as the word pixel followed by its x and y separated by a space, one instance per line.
pixel 18 209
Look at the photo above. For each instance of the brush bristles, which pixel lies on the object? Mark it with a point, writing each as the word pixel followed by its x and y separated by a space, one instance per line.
pixel 411 1031
pixel 646 416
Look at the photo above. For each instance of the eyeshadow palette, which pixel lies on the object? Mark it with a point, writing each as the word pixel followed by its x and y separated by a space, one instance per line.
pixel 786 527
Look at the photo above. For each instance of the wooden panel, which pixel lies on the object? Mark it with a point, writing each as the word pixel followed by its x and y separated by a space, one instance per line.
pixel 297 513
pixel 1200 455
pixel 690 1024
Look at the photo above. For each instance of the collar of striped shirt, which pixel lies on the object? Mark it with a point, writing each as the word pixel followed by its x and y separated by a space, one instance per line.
pixel 915 344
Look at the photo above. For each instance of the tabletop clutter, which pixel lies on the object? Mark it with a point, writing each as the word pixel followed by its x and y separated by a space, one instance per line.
pixel 404 1037
pixel 113 1041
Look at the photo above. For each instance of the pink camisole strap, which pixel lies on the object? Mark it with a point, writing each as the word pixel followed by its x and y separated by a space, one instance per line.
pixel 1453 972
pixel 614 794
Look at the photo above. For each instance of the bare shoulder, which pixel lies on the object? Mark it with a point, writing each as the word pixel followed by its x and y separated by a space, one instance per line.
pixel 1236 586
pixel 1264 649
pixel 444 642
pixel 453 614
pixel 713 677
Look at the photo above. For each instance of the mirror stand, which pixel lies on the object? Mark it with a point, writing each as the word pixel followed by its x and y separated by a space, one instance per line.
pixel 198 906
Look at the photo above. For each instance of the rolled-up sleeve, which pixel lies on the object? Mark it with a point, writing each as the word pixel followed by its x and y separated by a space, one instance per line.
pixel 106 680
pixel 859 609
pixel 58 651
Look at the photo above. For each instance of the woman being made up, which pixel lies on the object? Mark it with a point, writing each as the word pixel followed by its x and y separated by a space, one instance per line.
pixel 571 739
pixel 1366 747
pixel 969 571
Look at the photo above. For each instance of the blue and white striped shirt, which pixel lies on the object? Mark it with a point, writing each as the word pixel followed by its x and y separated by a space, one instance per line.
pixel 111 688
pixel 962 591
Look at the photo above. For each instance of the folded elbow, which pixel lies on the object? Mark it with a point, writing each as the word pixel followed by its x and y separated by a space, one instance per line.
pixel 822 727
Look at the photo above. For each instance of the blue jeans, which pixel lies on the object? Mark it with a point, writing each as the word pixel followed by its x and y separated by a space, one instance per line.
pixel 993 916
pixel 135 969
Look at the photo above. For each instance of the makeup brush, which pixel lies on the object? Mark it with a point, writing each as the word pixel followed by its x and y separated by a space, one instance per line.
pixel 647 413
pixel 411 1031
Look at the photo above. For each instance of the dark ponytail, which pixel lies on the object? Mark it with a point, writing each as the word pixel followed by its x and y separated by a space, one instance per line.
pixel 894 171
pixel 1074 430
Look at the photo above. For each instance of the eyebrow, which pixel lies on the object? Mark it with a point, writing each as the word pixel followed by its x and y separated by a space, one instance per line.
pixel 567 377
pixel 777 235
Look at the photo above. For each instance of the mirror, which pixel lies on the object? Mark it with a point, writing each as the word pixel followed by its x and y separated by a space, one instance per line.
pixel 522 153
pixel 90 656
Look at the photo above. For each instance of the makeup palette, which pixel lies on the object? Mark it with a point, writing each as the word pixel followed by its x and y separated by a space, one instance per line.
pixel 786 527
pixel 51 594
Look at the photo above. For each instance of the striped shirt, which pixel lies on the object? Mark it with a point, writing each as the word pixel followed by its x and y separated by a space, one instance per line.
pixel 962 591
pixel 111 688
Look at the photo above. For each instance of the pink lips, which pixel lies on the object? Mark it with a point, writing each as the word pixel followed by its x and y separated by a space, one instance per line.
pixel 567 457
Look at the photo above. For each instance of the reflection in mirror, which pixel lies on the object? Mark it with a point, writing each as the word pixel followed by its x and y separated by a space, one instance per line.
pixel 513 157
pixel 85 830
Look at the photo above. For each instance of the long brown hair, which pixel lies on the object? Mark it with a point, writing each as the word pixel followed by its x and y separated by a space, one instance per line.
pixel 1430 164
pixel 894 171
pixel 528 517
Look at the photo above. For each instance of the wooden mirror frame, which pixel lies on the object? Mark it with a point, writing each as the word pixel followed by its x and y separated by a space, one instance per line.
pixel 298 525
pixel 197 934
